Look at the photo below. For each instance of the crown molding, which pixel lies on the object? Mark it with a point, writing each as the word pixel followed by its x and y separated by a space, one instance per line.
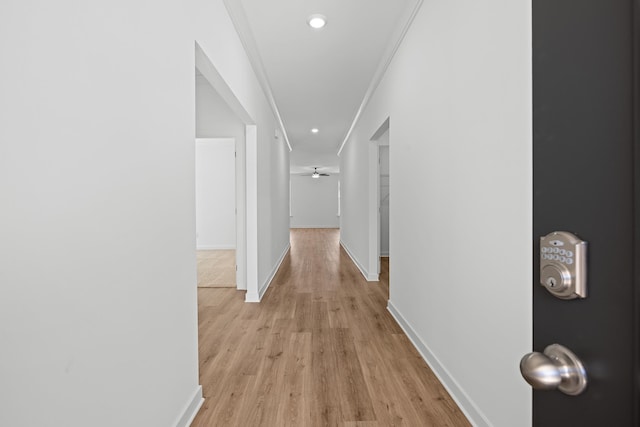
pixel 241 24
pixel 383 65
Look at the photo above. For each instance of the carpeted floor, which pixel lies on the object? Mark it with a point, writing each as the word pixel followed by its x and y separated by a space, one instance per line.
pixel 217 269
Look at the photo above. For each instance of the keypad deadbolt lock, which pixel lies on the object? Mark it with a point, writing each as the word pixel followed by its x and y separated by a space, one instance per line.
pixel 563 272
pixel 563 265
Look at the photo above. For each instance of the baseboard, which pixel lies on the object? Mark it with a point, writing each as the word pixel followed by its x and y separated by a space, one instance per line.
pixel 470 410
pixel 384 254
pixel 215 247
pixel 252 297
pixel 191 409
pixel 257 297
pixel 267 283
pixel 368 277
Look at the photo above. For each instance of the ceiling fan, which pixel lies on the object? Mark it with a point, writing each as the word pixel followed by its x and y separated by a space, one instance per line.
pixel 317 174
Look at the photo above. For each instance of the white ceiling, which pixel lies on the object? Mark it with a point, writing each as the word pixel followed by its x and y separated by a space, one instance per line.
pixel 319 78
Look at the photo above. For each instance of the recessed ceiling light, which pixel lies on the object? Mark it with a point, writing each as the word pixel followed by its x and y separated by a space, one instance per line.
pixel 314 130
pixel 317 21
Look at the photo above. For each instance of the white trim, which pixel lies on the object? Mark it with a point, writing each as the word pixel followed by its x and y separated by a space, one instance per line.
pixel 251 139
pixel 241 215
pixel 374 207
pixel 467 406
pixel 390 51
pixel 257 297
pixel 192 408
pixel 365 273
pixel 215 247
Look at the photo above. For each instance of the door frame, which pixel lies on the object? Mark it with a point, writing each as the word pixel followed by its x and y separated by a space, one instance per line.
pixel 374 200
pixel 246 182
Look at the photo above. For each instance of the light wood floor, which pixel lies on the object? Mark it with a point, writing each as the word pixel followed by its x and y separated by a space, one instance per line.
pixel 319 350
pixel 216 269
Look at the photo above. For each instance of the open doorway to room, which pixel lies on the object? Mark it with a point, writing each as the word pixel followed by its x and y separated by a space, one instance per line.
pixel 221 185
pixel 219 135
pixel 215 209
pixel 220 114
pixel 379 196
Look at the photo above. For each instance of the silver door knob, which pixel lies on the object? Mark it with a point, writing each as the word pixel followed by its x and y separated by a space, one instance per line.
pixel 558 368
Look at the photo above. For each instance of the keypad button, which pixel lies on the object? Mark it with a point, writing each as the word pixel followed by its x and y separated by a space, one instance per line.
pixel 569 253
pixel 569 261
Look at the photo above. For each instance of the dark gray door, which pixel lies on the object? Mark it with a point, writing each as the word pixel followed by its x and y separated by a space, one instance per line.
pixel 585 151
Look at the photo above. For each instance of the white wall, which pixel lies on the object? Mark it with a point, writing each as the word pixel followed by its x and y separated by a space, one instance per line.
pixel 98 312
pixel 458 94
pixel 273 205
pixel 214 118
pixel 314 202
pixel 354 198
pixel 215 193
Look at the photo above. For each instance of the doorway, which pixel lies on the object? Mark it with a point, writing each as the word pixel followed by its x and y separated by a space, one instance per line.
pixel 246 177
pixel 379 192
pixel 215 211
pixel 220 227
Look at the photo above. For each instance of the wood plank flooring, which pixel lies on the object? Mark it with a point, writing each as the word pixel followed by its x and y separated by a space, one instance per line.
pixel 216 268
pixel 319 350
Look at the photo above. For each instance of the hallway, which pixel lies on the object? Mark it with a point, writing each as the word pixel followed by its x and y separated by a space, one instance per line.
pixel 321 349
